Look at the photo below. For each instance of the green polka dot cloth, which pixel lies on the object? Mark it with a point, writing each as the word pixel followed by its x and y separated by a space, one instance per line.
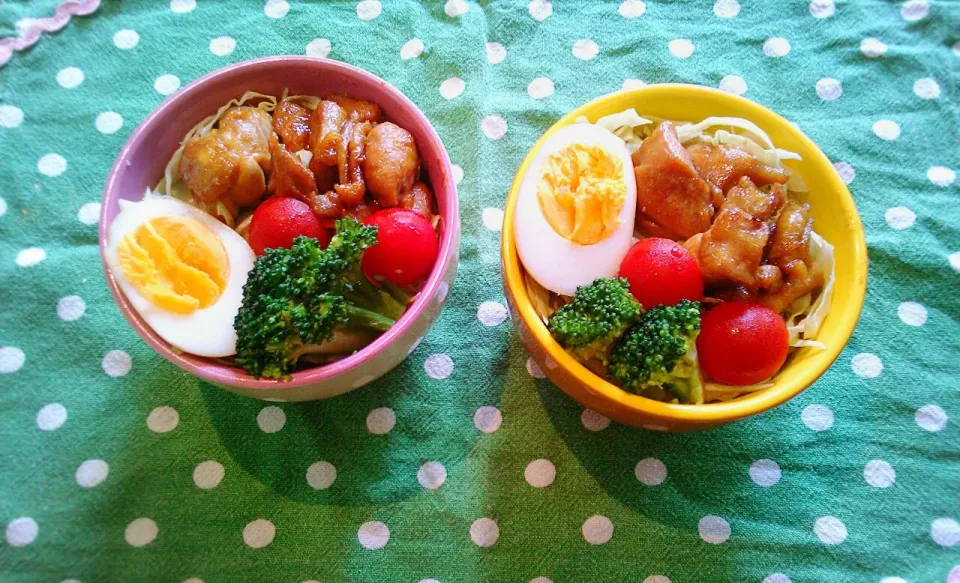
pixel 464 464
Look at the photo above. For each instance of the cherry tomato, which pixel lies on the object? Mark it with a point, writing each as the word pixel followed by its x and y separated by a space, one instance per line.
pixel 661 271
pixel 406 247
pixel 278 221
pixel 742 343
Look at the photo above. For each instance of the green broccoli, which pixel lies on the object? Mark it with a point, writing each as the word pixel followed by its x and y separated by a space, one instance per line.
pixel 296 299
pixel 660 353
pixel 596 316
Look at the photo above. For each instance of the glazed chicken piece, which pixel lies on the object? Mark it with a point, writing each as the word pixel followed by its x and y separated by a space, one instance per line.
pixel 351 152
pixel 289 178
pixel 671 195
pixel 358 109
pixel 418 199
pixel 362 211
pixel 391 163
pixel 723 166
pixel 325 134
pixel 790 253
pixel 291 121
pixel 730 252
pixel 229 164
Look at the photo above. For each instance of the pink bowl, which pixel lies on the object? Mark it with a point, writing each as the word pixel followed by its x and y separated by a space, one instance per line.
pixel 141 163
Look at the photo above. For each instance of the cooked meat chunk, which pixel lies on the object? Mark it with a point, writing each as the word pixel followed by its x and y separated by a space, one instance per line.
pixel 363 210
pixel 723 166
pixel 291 121
pixel 670 191
pixel 391 163
pixel 229 164
pixel 350 155
pixel 327 206
pixel 289 177
pixel 358 109
pixel 790 253
pixel 418 199
pixel 325 134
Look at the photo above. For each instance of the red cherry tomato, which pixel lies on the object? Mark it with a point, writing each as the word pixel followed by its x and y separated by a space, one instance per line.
pixel 742 343
pixel 278 221
pixel 661 271
pixel 406 247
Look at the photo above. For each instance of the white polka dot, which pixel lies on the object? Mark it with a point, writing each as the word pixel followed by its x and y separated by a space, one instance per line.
pixel 631 8
pixel 259 533
pixel 594 421
pixel 70 308
pixel 534 370
pixel 681 48
pixel 208 475
pixel 540 88
pixel 367 10
pixel 22 531
pixel 11 116
pixel 540 473
pixel 494 127
pixel 914 10
pixel 817 417
pixel 829 89
pixel 51 165
pixel 822 8
pixel 380 421
pixel 931 417
pixel 452 87
pixel 491 313
pixel 872 47
pixel 540 580
pixel 879 474
pixel 776 578
pixel 141 532
pixel 496 53
pixel 108 122
pixel 51 417
pixel 163 419
pixel 182 6
pixel 866 365
pixel 597 530
pixel 484 532
pixel 457 173
pixel 3 207
pixel 126 39
pixel 321 475
pixel 714 529
pixel 411 49
pixel 373 535
pixel 540 10
pixel 954 260
pixel 926 88
pixel 492 219
pixel 900 218
pixel 629 84
pixel 11 359
pixel 912 314
pixel 442 290
pixel 776 47
pixel 726 8
pixel 91 473
pixel 279 8
pixel 830 530
pixel 886 130
pixel 438 366
pixel 941 176
pixel 193 580
pixel 271 419
pixel 945 532
pixel 89 214
pixel 31 256
pixel 428 581
pixel 116 363
pixel 166 84
pixel 765 473
pixel 893 580
pixel 70 77
pixel 487 419
pixel 455 8
pixel 846 171
pixel 223 46
pixel 733 84
pixel 432 475
pixel 585 49
pixel 650 471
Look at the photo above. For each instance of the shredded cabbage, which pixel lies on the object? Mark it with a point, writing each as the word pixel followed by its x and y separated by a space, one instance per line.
pixel 803 331
pixel 689 132
pixel 539 298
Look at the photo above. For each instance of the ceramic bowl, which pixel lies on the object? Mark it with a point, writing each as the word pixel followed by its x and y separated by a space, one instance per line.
pixel 141 162
pixel 835 218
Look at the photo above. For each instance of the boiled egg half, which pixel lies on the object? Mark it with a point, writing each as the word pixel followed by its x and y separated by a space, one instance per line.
pixel 575 209
pixel 182 270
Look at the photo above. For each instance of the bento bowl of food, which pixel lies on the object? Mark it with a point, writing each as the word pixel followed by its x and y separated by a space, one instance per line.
pixel 677 258
pixel 286 228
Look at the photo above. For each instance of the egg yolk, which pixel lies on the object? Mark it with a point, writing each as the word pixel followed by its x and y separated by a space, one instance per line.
pixel 177 263
pixel 581 193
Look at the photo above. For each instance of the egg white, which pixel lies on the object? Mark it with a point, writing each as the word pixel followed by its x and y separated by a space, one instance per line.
pixel 205 332
pixel 554 262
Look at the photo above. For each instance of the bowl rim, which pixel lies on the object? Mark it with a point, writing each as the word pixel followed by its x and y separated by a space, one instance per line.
pixel 749 405
pixel 225 375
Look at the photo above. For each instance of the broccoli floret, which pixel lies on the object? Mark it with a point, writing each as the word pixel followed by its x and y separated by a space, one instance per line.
pixel 660 350
pixel 295 299
pixel 598 314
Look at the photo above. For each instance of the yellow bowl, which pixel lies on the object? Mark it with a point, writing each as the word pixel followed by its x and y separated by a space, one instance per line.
pixel 835 218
